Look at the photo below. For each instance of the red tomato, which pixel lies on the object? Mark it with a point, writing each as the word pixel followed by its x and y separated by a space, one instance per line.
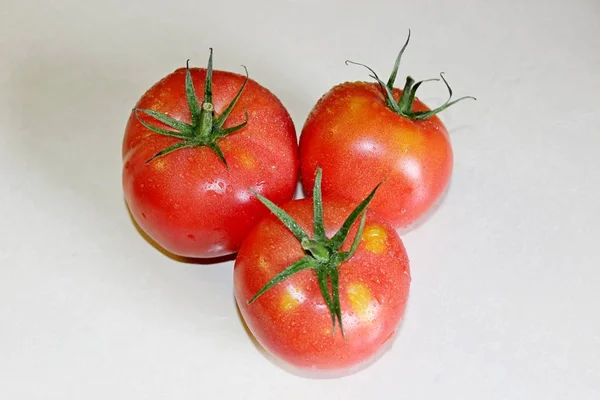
pixel 292 320
pixel 364 133
pixel 193 198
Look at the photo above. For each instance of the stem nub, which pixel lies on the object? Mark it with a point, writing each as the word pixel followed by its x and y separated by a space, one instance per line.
pixel 316 249
pixel 205 126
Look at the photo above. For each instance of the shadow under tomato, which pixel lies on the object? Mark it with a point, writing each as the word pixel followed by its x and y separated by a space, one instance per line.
pixel 255 342
pixel 175 257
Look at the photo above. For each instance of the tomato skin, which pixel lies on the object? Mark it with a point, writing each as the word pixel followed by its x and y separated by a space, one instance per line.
pixel 358 141
pixel 187 201
pixel 291 320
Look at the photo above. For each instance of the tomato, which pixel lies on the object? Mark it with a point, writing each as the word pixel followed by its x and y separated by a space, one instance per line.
pixel 322 301
pixel 362 133
pixel 188 165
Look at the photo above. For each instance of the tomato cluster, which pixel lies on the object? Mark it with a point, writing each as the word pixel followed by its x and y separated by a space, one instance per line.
pixel 322 282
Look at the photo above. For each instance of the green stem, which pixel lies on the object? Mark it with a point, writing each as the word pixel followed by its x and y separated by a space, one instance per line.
pixel 405 104
pixel 205 129
pixel 323 254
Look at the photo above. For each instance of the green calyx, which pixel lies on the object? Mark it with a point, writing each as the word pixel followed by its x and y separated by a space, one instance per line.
pixel 404 106
pixel 322 254
pixel 205 129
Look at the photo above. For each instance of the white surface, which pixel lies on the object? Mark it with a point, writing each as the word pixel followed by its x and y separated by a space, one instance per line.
pixel 506 274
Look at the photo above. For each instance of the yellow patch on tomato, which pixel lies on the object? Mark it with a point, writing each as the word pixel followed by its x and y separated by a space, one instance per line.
pixel 375 239
pixel 361 301
pixel 357 103
pixel 408 140
pixel 159 164
pixel 291 298
pixel 262 264
pixel 288 302
pixel 247 161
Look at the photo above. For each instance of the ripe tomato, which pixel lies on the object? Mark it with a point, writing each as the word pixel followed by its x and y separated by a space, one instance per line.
pixel 292 287
pixel 188 165
pixel 363 133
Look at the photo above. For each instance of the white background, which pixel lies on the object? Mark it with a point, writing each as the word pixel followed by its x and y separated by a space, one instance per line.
pixel 506 274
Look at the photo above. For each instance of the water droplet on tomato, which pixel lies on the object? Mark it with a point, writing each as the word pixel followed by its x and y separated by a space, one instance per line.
pixel 243 196
pixel 192 237
pixel 217 186
pixel 144 216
